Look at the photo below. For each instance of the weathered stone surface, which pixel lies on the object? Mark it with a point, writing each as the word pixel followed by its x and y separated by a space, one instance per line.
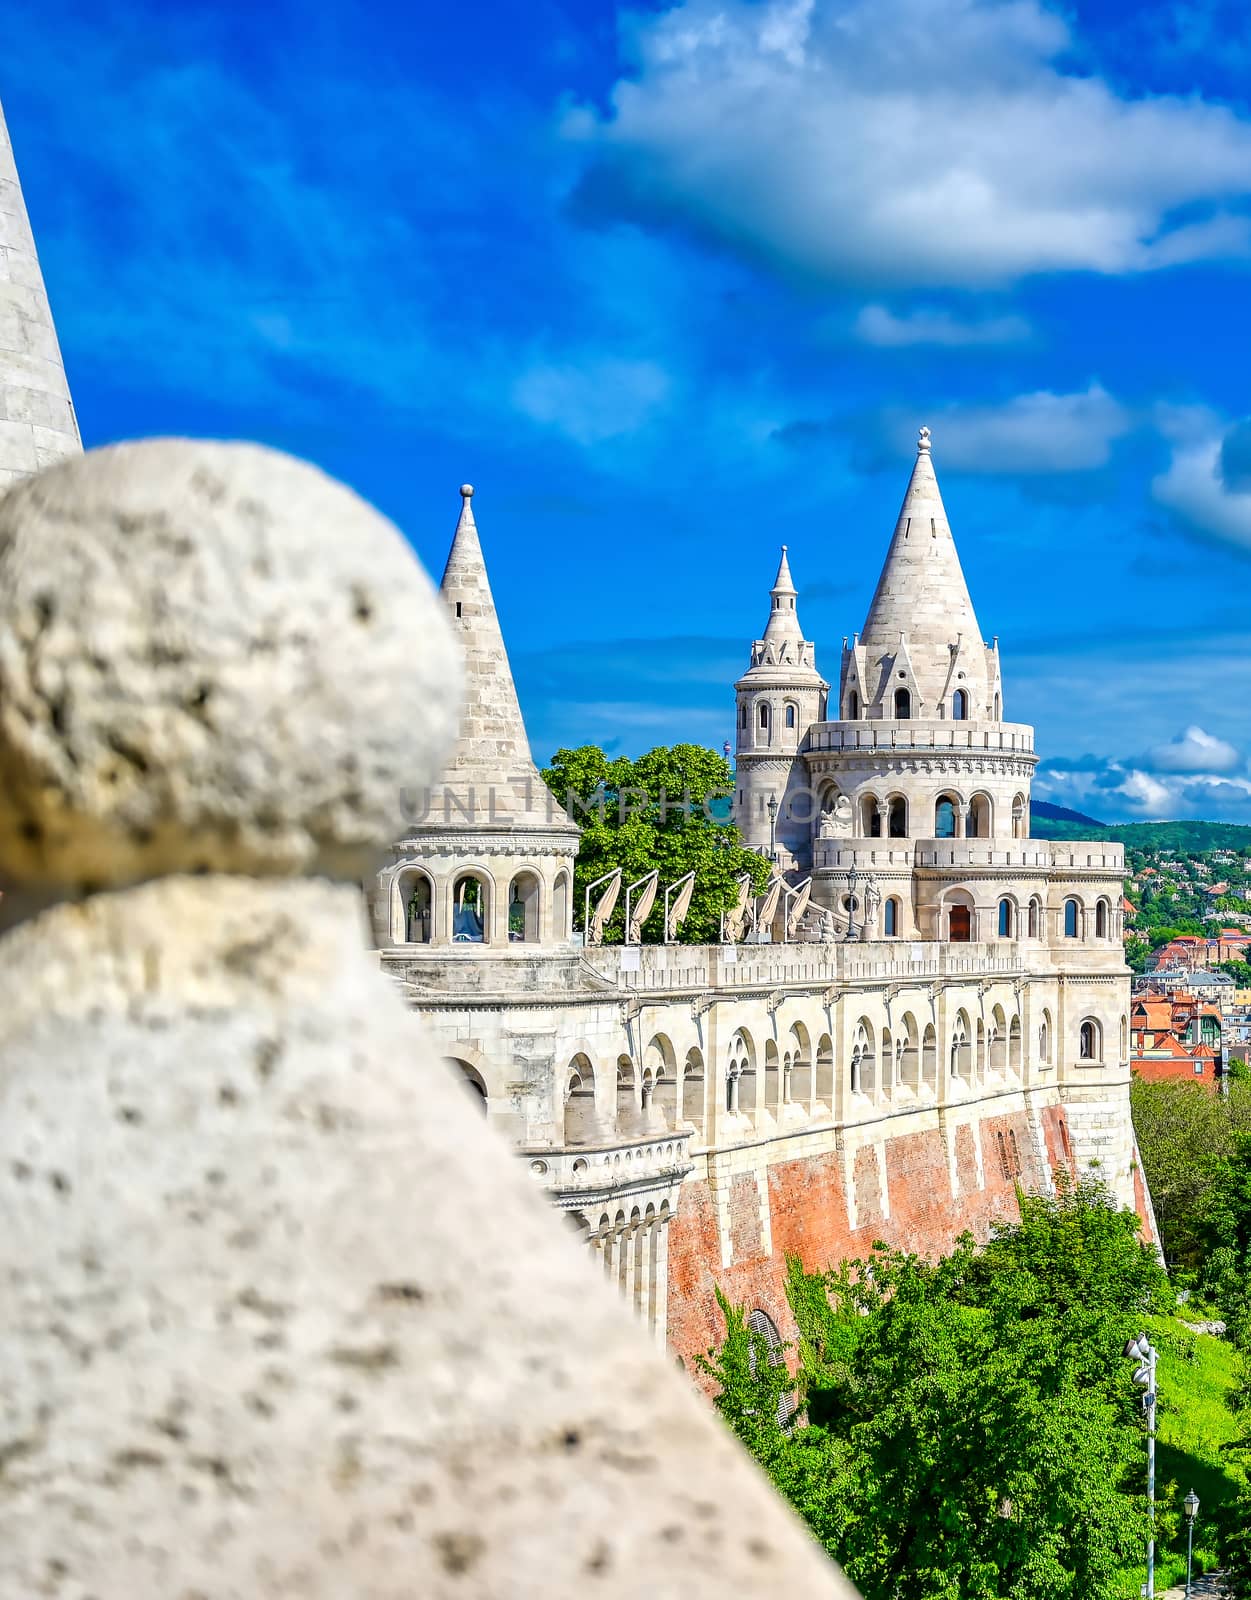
pixel 212 657
pixel 285 1318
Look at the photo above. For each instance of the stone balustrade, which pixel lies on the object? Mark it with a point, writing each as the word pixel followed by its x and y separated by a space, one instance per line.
pixel 580 1175
pixel 662 969
pixel 1008 738
pixel 279 1323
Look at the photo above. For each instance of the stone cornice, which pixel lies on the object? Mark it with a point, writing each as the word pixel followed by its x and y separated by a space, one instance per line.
pixel 464 846
pixel 1014 763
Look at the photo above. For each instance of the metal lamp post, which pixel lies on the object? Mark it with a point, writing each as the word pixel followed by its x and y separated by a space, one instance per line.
pixel 1191 1503
pixel 1144 1353
pixel 772 809
pixel 851 901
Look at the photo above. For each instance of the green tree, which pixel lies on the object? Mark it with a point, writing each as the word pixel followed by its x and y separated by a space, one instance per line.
pixel 972 1429
pixel 1187 1138
pixel 666 810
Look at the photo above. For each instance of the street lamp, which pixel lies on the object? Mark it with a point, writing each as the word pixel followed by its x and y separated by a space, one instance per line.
pixel 1144 1353
pixel 772 809
pixel 851 901
pixel 1191 1503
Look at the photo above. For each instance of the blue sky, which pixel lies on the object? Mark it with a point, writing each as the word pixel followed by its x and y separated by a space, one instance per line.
pixel 674 284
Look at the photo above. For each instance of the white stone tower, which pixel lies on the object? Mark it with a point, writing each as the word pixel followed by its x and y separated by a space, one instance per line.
pixel 487 859
pixel 37 422
pixel 778 699
pixel 921 656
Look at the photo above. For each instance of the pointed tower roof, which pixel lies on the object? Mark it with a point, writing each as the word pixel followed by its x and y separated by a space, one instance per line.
pixel 492 754
pixel 921 591
pixel 37 423
pixel 782 653
pixel 783 620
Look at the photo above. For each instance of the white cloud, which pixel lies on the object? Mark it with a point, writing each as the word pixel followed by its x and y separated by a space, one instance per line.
pixel 928 142
pixel 1116 791
pixel 1195 751
pixel 1194 490
pixel 1039 432
pixel 592 400
pixel 879 325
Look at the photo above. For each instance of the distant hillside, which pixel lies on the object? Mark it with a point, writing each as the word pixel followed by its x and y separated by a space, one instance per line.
pixel 1044 809
pixel 1187 838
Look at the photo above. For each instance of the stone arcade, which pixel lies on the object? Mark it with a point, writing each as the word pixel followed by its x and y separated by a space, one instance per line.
pixel 948 1018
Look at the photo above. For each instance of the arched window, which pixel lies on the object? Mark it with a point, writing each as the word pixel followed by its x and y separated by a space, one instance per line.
pixel 997 708
pixel 693 1091
pixel 903 705
pixel 890 918
pixel 898 818
pixel 769 1341
pixel 960 924
pixel 870 817
pixel 863 1060
pixel 469 910
pixel 1034 909
pixel 412 918
pixel 960 706
pixel 1005 919
pixel 472 1079
pixel 581 1123
pixel 790 716
pixel 945 819
pixel 742 716
pixel 929 1056
pixel 961 1049
pixel 1101 919
pixel 853 707
pixel 560 907
pixel 763 714
pixel 1044 1038
pixel 979 817
pixel 1089 1041
pixel 1070 919
pixel 523 909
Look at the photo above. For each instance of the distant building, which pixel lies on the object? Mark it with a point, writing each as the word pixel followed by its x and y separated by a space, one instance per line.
pixel 1176 1035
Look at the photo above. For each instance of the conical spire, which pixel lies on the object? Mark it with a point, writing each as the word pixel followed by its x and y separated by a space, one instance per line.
pixel 783 623
pixel 921 591
pixel 923 600
pixel 491 774
pixel 37 423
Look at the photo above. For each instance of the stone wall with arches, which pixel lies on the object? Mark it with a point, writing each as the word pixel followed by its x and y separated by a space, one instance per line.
pixel 475 893
pixel 771 1111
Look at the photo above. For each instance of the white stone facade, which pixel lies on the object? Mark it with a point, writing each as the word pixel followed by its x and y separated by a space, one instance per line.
pixel 966 973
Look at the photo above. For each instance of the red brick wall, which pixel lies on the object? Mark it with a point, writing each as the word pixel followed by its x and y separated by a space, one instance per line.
pixel 809 1219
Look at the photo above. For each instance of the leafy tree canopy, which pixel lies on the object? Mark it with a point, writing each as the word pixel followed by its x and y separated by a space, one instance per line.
pixel 667 810
pixel 973 1431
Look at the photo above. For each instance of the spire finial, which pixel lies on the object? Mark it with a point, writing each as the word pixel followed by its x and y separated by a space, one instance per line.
pixel 466 491
pixel 923 442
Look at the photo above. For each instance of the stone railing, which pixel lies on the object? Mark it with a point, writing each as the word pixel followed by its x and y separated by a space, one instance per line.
pixel 283 1316
pixel 663 969
pixel 577 1174
pixel 880 738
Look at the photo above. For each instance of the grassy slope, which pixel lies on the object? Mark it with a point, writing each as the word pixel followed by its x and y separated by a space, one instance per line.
pixel 1196 1374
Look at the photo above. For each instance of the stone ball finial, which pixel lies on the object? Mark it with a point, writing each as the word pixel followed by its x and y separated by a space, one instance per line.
pixel 213 657
pixel 466 491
